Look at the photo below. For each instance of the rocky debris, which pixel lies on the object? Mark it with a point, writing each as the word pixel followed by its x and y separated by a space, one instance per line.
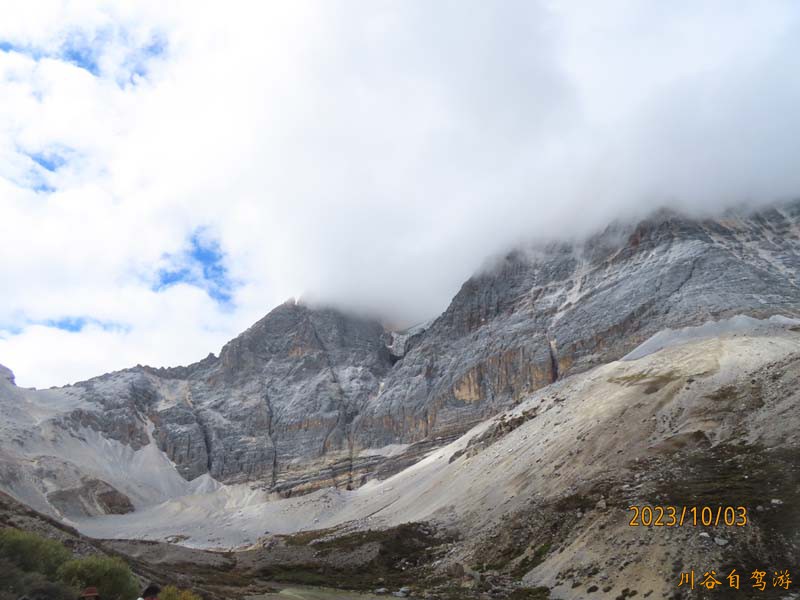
pixel 7 374
pixel 524 514
pixel 123 424
pixel 542 314
pixel 93 497
pixel 288 390
pixel 15 514
pixel 400 342
pixel 383 561
pixel 183 438
pixel 754 459
pixel 276 406
pixel 500 427
pixel 294 401
pixel 351 472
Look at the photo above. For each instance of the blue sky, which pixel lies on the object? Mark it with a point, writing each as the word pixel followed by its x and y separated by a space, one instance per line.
pixel 75 324
pixel 88 49
pixel 201 264
pixel 50 161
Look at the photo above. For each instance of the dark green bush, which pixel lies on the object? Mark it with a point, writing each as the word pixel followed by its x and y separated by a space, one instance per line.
pixel 36 567
pixel 111 577
pixel 172 593
pixel 15 583
pixel 31 552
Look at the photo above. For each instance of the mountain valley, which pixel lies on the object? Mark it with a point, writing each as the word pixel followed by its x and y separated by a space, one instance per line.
pixel 493 452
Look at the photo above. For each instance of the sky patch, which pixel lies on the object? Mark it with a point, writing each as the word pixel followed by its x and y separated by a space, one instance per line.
pixel 45 163
pixel 82 52
pixel 48 160
pixel 139 61
pixel 75 324
pixel 105 52
pixel 201 264
pixel 67 323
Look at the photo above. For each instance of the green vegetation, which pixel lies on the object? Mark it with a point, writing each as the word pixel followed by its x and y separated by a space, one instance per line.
pixel 356 560
pixel 40 568
pixel 743 475
pixel 32 553
pixel 172 593
pixel 112 577
pixel 44 569
pixel 538 593
pixel 303 538
pixel 726 393
pixel 15 583
pixel 523 593
pixel 652 383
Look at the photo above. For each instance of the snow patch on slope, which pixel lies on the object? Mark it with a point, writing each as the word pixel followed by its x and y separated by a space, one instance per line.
pixel 739 324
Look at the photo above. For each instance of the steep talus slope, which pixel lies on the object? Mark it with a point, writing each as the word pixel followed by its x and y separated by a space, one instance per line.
pixel 540 494
pixel 709 422
pixel 309 397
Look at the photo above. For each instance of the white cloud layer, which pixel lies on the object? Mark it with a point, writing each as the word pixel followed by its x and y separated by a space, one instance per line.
pixel 369 154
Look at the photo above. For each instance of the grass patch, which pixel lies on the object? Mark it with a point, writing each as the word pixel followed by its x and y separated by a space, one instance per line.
pixel 651 383
pixel 749 476
pixel 726 393
pixel 394 556
pixel 537 593
pixel 304 538
pixel 531 561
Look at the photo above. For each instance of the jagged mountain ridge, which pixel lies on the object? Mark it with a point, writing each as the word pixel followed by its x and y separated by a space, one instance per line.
pixel 312 397
pixel 566 308
pixel 540 494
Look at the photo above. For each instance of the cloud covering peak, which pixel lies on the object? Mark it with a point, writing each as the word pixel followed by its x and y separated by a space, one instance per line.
pixel 168 174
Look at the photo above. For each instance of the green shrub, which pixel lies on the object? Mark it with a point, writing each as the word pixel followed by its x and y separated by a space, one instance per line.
pixel 172 593
pixel 32 552
pixel 111 577
pixel 16 583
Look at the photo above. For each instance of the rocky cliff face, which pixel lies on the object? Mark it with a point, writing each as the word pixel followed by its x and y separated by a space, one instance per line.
pixel 540 495
pixel 283 393
pixel 542 314
pixel 308 397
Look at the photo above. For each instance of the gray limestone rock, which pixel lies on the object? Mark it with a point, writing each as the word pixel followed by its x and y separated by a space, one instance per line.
pixel 293 401
pixel 545 313
pixel 93 497
pixel 7 374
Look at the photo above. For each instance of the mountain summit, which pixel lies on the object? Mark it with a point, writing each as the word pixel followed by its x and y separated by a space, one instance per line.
pixel 312 397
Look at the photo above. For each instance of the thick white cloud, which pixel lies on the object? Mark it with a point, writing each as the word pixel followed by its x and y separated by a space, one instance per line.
pixel 369 154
